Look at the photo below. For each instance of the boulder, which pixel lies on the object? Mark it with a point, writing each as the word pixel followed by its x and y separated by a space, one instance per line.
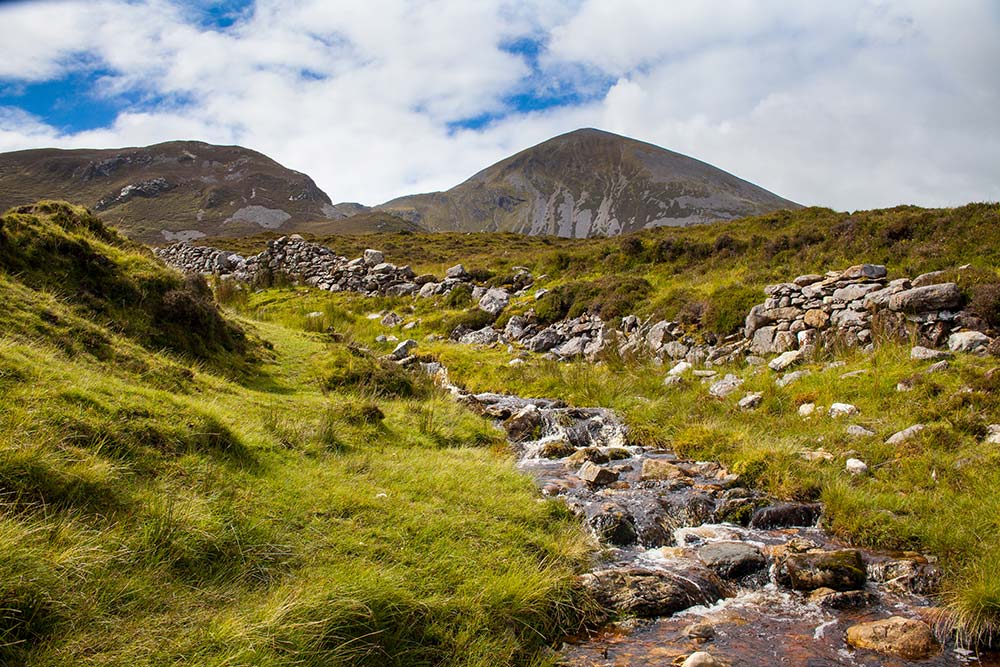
pixel 680 368
pixel 762 340
pixel 660 469
pixel 732 560
pixel 789 378
pixel 485 336
pixel 525 424
pixel 856 431
pixel 614 526
pixel 854 292
pixel 992 434
pixel 841 570
pixel 658 336
pixel 968 341
pixel 751 401
pixel 808 279
pixel 373 257
pixel 494 301
pixel 945 296
pixel 904 637
pixel 391 320
pixel 651 592
pixel 456 272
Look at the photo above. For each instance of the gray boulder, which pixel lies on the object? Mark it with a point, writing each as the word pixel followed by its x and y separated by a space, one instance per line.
pixel 494 301
pixel 968 341
pixel 945 296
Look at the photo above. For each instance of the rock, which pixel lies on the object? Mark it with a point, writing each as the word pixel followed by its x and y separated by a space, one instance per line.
pixel 841 570
pixel 525 424
pixel 596 475
pixel 543 341
pixel 784 360
pixel 649 592
pixel 485 336
pixel 658 336
pixel 725 386
pixel 945 296
pixel 831 599
pixel 863 272
pixel 855 292
pixel 391 320
pixel 680 368
pixel 920 353
pixel 614 526
pixel 968 341
pixel 842 410
pixel 904 637
pixel 763 340
pixel 701 659
pixel 789 378
pixel 786 515
pixel 556 449
pixel 592 454
pixel 494 301
pixel 676 349
pixel 856 467
pixel 373 257
pixel 856 431
pixel 904 435
pixel 755 319
pixel 456 272
pixel 815 455
pixel 574 347
pixel 705 373
pixel 540 293
pixel 700 630
pixel 751 401
pixel 660 469
pixel 732 560
pixel 403 350
pixel 929 278
pixel 816 318
pixel 806 409
pixel 993 434
pixel 808 279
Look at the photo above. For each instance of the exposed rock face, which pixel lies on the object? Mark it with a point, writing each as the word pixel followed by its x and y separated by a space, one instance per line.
pixel 588 183
pixel 905 637
pixel 853 306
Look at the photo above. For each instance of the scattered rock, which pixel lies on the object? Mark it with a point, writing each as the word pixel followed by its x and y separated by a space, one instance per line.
pixel 920 353
pixel 905 637
pixel 784 360
pixel 856 431
pixel 789 378
pixel 391 320
pixel 992 434
pixel 456 272
pixel 968 341
pixel 680 368
pixel 403 350
pixel 905 434
pixel 725 386
pixel 856 467
pixel 806 409
pixel 373 257
pixel 660 469
pixel 842 410
pixel 494 301
pixel 751 401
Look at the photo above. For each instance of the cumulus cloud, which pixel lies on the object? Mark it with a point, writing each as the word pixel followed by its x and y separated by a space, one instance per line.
pixel 854 104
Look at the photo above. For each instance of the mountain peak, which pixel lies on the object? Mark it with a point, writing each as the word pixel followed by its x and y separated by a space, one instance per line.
pixel 589 182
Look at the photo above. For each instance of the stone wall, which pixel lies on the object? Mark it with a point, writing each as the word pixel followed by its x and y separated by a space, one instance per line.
pixel 853 306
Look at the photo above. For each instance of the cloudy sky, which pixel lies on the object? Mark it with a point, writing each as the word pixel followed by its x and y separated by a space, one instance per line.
pixel 849 104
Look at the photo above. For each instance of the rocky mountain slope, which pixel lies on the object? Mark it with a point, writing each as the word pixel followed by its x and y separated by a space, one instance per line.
pixel 588 183
pixel 182 190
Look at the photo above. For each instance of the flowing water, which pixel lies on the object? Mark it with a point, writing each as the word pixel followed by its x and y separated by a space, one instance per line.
pixel 667 524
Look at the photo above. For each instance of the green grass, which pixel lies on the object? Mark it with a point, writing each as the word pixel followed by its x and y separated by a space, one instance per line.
pixel 156 509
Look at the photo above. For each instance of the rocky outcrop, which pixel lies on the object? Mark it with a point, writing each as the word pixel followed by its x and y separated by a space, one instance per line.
pixel 852 306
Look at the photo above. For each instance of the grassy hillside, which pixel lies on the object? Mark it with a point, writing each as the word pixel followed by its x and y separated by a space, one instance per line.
pixel 228 495
pixel 937 492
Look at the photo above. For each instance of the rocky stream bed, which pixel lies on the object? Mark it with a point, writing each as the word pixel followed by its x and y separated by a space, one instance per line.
pixel 697 570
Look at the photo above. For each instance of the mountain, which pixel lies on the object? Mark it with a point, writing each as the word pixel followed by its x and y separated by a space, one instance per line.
pixel 182 190
pixel 588 183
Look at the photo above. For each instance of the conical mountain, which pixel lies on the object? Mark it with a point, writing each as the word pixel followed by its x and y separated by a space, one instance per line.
pixel 588 183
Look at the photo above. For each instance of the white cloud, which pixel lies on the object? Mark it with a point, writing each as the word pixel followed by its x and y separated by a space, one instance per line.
pixel 852 104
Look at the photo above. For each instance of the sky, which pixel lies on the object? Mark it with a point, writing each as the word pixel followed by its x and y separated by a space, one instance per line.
pixel 851 104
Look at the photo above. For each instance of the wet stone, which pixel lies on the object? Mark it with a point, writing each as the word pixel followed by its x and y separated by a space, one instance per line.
pixel 831 599
pixel 650 592
pixel 906 637
pixel 614 526
pixel 841 570
pixel 786 515
pixel 595 475
pixel 732 560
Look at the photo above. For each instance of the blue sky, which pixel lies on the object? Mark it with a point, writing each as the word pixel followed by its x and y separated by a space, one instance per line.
pixel 854 104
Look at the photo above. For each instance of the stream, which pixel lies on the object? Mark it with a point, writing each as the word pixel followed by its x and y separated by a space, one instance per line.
pixel 696 562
